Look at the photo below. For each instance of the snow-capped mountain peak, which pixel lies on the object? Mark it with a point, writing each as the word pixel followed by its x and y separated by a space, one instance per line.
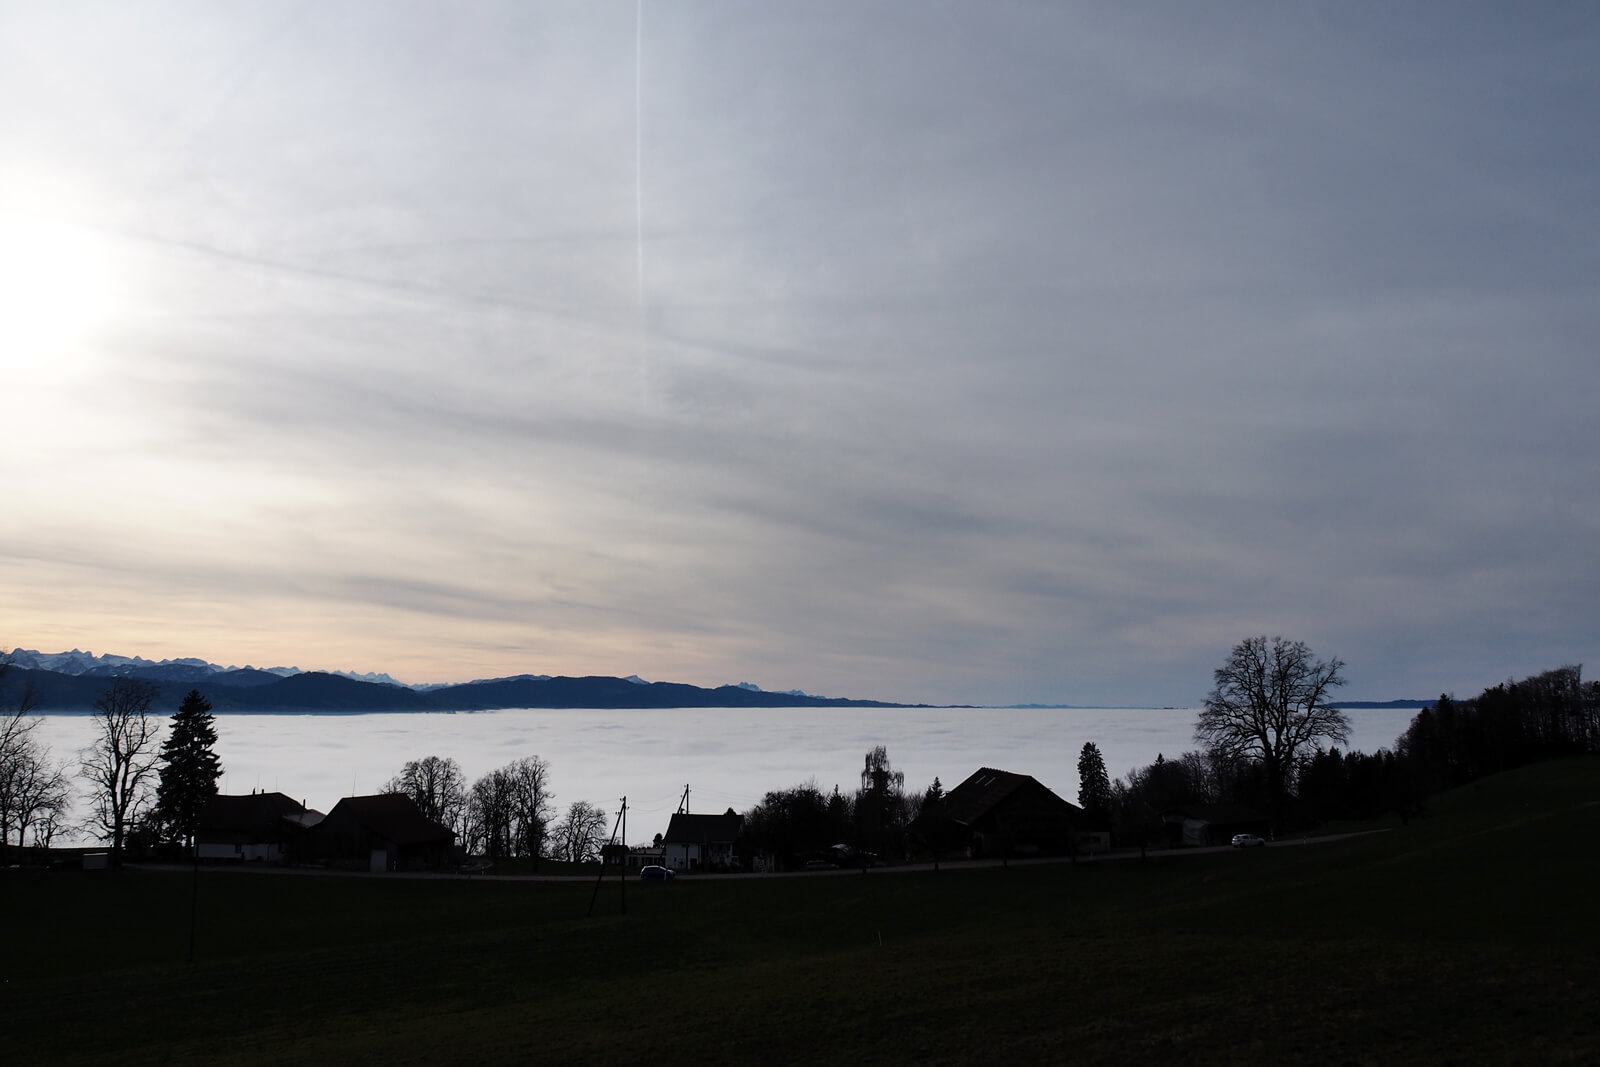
pixel 79 662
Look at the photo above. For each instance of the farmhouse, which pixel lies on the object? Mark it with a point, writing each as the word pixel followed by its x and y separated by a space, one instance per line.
pixel 701 842
pixel 251 827
pixel 385 832
pixel 996 812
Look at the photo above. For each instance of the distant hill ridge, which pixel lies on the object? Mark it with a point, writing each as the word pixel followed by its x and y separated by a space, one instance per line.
pixel 1359 705
pixel 72 681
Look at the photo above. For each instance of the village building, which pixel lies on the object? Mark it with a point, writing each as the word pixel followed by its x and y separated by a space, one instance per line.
pixel 998 813
pixel 251 827
pixel 701 842
pixel 384 832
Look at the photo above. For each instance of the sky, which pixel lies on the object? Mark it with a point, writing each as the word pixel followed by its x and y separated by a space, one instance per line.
pixel 943 352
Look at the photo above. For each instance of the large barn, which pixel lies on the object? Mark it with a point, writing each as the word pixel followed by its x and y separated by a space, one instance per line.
pixel 385 832
pixel 998 813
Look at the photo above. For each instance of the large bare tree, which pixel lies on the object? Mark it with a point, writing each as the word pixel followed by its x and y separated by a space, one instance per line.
pixel 509 809
pixel 120 764
pixel 438 787
pixel 26 779
pixel 1268 703
pixel 488 818
pixel 37 794
pixel 532 804
pixel 578 837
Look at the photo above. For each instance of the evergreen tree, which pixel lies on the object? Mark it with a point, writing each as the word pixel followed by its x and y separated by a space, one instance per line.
pixel 933 826
pixel 1094 786
pixel 189 770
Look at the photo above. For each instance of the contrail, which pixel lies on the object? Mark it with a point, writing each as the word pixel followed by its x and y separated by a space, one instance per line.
pixel 638 196
pixel 638 144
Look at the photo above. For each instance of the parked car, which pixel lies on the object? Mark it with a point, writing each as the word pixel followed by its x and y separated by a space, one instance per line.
pixel 657 874
pixel 820 865
pixel 1248 841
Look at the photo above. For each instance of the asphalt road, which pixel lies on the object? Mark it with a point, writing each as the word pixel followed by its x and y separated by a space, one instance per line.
pixel 1116 856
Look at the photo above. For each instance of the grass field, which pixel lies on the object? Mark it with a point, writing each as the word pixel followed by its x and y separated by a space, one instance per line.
pixel 1469 936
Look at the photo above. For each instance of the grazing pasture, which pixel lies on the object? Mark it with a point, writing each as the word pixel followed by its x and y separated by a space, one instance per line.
pixel 1466 936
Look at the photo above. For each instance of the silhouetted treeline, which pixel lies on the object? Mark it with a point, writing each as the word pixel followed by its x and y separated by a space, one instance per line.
pixel 791 826
pixel 1450 744
pixel 1194 779
pixel 1455 742
pixel 1354 785
pixel 1548 715
pixel 802 821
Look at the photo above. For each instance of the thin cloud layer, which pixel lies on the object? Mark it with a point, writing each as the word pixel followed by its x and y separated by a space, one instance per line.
pixel 913 351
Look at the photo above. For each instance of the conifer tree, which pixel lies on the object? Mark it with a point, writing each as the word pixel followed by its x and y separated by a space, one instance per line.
pixel 1094 785
pixel 189 770
pixel 932 823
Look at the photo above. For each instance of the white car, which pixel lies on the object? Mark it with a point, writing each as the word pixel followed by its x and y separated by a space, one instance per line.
pixel 1248 841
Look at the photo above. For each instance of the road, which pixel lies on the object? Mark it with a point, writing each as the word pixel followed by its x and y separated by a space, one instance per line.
pixel 1116 856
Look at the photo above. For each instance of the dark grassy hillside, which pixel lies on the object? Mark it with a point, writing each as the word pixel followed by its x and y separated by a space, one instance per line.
pixel 1464 937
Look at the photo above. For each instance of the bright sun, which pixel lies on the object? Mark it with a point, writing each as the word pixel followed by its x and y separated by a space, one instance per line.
pixel 54 286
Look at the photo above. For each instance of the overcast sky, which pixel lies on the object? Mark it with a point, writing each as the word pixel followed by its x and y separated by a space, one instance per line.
pixel 950 352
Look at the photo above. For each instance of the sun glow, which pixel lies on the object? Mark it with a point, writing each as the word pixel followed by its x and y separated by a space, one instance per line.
pixel 54 287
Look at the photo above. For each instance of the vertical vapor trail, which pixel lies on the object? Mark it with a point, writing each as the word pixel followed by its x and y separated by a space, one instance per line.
pixel 638 146
pixel 638 195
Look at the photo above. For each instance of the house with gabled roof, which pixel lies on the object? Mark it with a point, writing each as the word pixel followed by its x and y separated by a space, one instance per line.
pixel 251 827
pixel 384 832
pixel 701 842
pixel 1001 813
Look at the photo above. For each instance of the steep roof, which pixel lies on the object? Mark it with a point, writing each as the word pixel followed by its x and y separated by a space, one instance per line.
pixel 393 816
pixel 251 813
pixel 988 788
pixel 704 829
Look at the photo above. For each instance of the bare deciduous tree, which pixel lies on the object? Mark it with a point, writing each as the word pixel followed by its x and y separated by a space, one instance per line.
pixel 24 763
pixel 489 815
pixel 438 787
pixel 577 837
pixel 1269 704
pixel 120 765
pixel 531 804
pixel 509 809
pixel 39 795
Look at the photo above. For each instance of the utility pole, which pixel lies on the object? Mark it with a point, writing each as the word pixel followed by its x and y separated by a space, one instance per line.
pixel 194 890
pixel 614 828
pixel 683 805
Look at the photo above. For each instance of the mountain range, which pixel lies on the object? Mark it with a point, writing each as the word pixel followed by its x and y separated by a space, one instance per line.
pixel 73 681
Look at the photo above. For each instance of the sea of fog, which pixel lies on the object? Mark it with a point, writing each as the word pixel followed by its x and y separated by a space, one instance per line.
pixel 727 757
